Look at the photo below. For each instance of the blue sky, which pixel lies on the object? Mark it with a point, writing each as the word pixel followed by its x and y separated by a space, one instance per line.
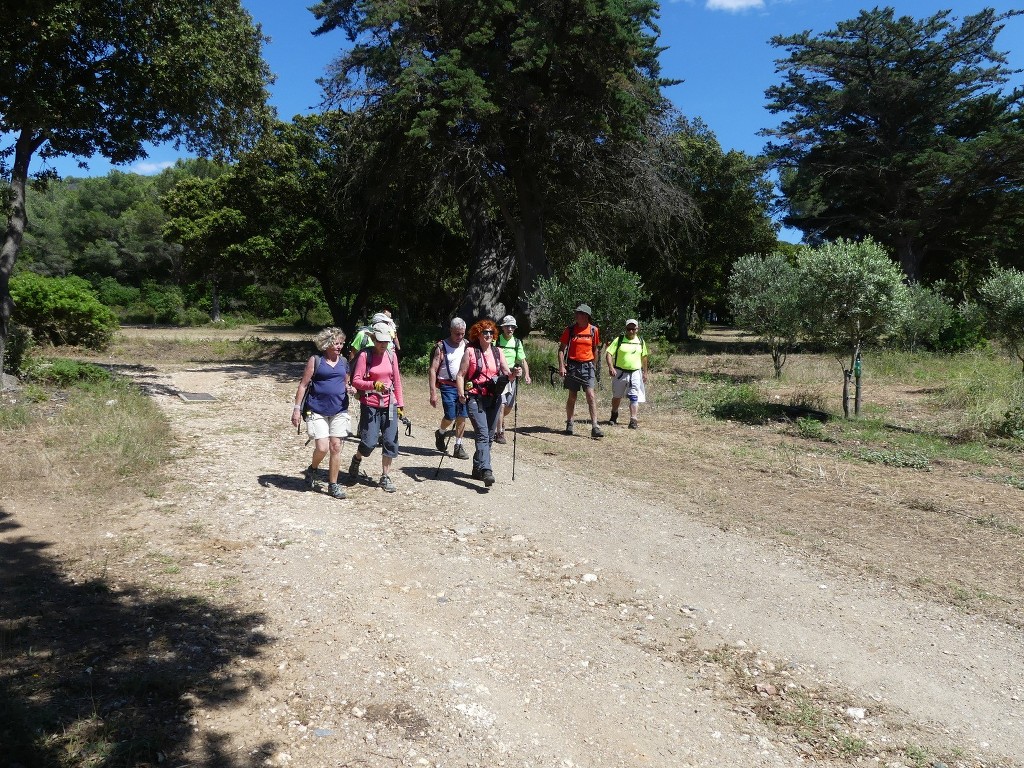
pixel 719 48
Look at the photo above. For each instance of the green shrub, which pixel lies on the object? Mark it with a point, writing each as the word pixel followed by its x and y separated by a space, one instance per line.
pixel 895 458
pixel 64 373
pixel 613 293
pixel 1012 424
pixel 1002 297
pixel 165 303
pixel 62 310
pixel 194 317
pixel 113 294
pixel 19 343
pixel 928 313
pixel 812 429
pixel 965 331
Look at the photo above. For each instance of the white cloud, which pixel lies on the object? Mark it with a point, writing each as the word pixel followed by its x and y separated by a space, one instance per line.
pixel 733 6
pixel 149 168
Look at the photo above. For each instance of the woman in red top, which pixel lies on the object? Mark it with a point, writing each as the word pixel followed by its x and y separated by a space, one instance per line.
pixel 377 379
pixel 480 381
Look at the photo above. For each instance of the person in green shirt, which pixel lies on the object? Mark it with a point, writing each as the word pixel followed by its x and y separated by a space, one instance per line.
pixel 627 357
pixel 512 349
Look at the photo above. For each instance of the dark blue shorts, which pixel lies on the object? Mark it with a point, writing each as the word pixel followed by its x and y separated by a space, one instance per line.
pixel 450 402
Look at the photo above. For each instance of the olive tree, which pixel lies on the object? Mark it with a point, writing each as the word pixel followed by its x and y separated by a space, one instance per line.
pixel 613 293
pixel 852 294
pixel 1002 298
pixel 764 298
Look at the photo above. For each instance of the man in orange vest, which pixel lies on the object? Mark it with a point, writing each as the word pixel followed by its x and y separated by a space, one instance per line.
pixel 577 364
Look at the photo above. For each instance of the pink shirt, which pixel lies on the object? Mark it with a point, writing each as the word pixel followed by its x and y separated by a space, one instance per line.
pixel 382 368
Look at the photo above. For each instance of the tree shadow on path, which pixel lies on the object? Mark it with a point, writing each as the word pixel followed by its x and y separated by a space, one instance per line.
pixel 103 675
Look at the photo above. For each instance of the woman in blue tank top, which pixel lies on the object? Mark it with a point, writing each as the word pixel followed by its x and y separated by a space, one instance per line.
pixel 322 400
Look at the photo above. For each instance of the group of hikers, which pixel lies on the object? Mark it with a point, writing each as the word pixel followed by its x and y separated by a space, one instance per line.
pixel 474 373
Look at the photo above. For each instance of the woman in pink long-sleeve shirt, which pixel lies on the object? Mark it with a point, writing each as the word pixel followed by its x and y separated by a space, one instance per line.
pixel 377 378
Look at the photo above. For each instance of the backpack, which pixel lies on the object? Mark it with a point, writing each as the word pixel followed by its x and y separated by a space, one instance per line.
pixel 303 406
pixel 618 343
pixel 592 331
pixel 518 346
pixel 439 349
pixel 486 387
pixel 366 351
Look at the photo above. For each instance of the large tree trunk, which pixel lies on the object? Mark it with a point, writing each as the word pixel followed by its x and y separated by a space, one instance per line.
pixel 214 300
pixel 910 259
pixel 531 255
pixel 491 266
pixel 684 309
pixel 17 221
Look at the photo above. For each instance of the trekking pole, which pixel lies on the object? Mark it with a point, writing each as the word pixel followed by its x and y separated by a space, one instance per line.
pixel 515 431
pixel 448 439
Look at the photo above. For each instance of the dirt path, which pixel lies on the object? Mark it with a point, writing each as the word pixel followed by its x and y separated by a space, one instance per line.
pixel 557 621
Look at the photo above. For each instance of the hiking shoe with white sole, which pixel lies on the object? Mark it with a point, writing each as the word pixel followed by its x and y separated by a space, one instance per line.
pixel 335 490
pixel 596 432
pixel 386 484
pixel 309 473
pixel 459 452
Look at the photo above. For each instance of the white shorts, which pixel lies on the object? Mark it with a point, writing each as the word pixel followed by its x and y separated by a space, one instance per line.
pixel 629 383
pixel 319 427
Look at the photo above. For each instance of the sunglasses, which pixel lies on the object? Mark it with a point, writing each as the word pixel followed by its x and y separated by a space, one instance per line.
pixel 486 333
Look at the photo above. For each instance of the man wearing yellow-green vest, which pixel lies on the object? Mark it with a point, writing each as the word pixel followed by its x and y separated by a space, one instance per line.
pixel 512 349
pixel 627 365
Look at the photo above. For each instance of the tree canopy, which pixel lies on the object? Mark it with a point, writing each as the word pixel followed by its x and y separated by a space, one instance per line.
pixel 904 130
pixel 511 99
pixel 87 77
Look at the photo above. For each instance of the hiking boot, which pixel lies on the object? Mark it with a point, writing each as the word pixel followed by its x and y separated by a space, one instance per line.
pixel 439 440
pixel 386 484
pixel 615 417
pixel 310 475
pixel 488 477
pixel 568 427
pixel 353 468
pixel 477 473
pixel 633 424
pixel 596 432
pixel 335 490
pixel 500 438
pixel 459 452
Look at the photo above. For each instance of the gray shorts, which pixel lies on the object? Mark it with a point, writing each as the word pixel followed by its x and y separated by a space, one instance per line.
pixel 579 376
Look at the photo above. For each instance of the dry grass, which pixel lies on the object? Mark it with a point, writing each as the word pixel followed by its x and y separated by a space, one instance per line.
pixel 853 498
pixel 95 440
